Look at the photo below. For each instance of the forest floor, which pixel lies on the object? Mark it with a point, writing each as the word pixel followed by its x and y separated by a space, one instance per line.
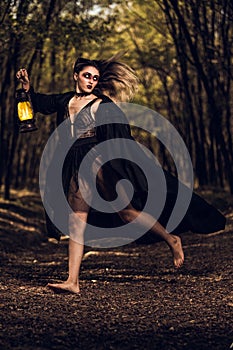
pixel 131 297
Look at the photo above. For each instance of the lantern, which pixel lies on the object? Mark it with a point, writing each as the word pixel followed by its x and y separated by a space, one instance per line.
pixel 25 113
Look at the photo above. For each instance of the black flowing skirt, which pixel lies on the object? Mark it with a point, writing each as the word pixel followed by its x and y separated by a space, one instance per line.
pixel 201 217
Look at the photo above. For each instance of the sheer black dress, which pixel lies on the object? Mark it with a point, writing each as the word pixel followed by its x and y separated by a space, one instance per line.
pixel 87 132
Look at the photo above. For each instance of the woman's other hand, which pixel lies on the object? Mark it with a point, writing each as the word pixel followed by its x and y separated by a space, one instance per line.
pixel 22 76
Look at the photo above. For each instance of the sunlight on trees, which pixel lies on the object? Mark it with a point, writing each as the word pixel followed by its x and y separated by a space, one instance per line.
pixel 181 51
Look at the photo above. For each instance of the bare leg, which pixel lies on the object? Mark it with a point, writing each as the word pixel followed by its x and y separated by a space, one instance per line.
pixel 72 283
pixel 174 242
pixel 129 214
pixel 76 245
pixel 77 225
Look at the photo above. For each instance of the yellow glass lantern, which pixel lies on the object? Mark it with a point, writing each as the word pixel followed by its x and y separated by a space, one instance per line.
pixel 25 113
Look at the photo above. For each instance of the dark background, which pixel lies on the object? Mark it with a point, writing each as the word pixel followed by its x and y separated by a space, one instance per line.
pixel 131 297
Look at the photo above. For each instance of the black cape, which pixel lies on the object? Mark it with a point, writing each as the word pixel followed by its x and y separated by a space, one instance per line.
pixel 200 217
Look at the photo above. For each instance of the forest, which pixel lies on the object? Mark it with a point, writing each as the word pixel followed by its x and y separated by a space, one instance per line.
pixel 131 296
pixel 181 52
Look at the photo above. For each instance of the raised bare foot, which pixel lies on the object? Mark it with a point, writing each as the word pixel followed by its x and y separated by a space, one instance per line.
pixel 65 287
pixel 177 251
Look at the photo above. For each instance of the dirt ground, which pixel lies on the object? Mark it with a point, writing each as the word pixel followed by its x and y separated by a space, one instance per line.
pixel 131 297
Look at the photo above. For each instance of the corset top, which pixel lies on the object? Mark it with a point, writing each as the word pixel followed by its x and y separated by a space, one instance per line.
pixel 83 123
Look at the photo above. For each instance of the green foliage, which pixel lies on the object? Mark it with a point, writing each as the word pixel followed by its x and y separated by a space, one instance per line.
pixel 181 51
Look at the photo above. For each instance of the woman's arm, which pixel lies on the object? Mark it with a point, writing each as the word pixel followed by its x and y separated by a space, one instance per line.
pixel 43 103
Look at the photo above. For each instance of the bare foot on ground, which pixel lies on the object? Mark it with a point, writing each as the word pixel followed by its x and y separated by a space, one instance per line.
pixel 177 251
pixel 65 287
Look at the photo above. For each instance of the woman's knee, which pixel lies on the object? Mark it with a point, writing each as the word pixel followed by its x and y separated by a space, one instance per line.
pixel 77 225
pixel 128 215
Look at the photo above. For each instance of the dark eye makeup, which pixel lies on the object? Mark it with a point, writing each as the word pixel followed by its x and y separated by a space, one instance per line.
pixel 89 76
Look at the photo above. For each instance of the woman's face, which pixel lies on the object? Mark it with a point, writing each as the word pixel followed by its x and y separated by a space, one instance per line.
pixel 87 79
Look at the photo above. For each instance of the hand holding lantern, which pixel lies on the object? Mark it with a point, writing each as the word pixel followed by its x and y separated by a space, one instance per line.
pixel 25 112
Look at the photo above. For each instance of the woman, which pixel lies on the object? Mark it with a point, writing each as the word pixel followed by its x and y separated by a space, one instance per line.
pixel 98 83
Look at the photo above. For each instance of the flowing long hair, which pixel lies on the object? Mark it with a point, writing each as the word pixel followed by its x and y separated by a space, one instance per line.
pixel 117 80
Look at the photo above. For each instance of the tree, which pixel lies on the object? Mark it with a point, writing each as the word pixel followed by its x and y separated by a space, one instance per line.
pixel 46 48
pixel 183 53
